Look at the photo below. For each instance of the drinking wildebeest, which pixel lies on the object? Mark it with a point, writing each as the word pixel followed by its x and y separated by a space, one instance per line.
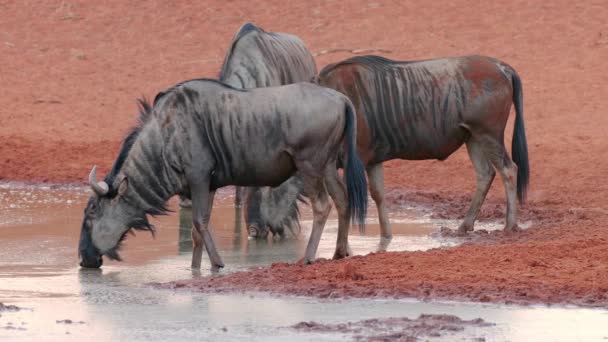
pixel 274 209
pixel 201 135
pixel 427 110
pixel 257 58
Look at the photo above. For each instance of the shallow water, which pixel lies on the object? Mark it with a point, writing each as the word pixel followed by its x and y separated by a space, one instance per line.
pixel 39 229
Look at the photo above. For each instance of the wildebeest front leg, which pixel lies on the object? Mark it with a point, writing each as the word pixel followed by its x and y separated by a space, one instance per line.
pixel 337 191
pixel 375 174
pixel 485 175
pixel 202 203
pixel 238 197
pixel 320 210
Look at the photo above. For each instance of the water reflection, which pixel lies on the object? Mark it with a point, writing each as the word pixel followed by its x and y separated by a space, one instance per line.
pixel 184 238
pixel 38 270
pixel 185 231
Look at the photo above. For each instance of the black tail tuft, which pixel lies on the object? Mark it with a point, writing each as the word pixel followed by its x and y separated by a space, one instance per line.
pixel 354 172
pixel 519 147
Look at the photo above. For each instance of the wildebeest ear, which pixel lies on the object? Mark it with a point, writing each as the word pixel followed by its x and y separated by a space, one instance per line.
pixel 122 186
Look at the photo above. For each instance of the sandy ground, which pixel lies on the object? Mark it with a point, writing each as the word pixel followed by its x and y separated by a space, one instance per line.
pixel 71 71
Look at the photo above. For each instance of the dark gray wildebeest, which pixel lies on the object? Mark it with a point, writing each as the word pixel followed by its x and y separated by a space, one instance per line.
pixel 427 110
pixel 201 135
pixel 257 58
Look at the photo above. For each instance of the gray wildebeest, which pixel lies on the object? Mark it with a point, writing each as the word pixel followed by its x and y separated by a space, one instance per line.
pixel 257 58
pixel 426 110
pixel 201 135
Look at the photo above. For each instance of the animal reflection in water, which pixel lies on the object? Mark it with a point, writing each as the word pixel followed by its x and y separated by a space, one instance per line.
pixel 245 249
pixel 185 230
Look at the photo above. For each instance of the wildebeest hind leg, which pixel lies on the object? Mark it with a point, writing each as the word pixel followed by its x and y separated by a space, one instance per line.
pixel 319 200
pixel 202 203
pixel 484 172
pixel 375 174
pixel 337 191
pixel 508 173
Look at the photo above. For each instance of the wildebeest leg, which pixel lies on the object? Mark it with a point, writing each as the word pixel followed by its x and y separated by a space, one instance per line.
pixel 375 175
pixel 337 191
pixel 202 203
pixel 315 187
pixel 238 197
pixel 197 247
pixel 508 172
pixel 238 203
pixel 485 173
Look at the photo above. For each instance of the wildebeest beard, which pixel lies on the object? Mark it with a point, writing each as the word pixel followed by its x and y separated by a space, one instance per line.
pixel 139 223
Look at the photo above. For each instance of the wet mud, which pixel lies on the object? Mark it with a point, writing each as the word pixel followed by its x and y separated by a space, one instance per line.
pixel 400 329
pixel 548 263
pixel 9 308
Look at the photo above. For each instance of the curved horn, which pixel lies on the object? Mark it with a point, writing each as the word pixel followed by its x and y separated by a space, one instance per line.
pixel 100 188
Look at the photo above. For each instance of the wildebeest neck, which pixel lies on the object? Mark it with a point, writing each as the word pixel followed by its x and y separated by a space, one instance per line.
pixel 151 182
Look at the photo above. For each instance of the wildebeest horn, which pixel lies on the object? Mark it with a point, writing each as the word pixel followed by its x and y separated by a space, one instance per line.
pixel 100 188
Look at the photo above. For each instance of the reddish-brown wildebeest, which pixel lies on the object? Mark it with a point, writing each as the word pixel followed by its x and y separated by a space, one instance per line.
pixel 426 110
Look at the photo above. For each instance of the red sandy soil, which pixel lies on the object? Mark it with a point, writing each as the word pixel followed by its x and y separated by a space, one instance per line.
pixel 71 70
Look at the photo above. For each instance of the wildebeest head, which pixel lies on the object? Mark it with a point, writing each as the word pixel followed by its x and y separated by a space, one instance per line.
pixel 131 190
pixel 108 217
pixel 273 209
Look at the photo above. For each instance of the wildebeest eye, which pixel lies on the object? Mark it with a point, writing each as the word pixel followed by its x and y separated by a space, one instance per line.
pixel 91 208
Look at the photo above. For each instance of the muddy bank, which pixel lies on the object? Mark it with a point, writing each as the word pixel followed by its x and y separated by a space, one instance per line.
pixel 552 262
pixel 400 329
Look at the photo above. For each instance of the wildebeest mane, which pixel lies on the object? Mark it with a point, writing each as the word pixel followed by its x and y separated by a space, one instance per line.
pixel 248 27
pixel 145 110
pixel 370 61
pixel 165 92
pixel 145 113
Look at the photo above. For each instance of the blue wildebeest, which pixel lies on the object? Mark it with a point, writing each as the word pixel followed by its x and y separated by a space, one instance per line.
pixel 201 135
pixel 427 110
pixel 257 58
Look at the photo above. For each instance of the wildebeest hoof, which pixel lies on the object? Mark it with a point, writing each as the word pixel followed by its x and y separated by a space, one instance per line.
pixel 512 229
pixel 340 254
pixel 384 242
pixel 91 263
pixel 464 229
pixel 305 261
pixel 462 232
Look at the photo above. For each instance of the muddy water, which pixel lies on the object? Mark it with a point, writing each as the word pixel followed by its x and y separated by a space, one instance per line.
pixel 39 228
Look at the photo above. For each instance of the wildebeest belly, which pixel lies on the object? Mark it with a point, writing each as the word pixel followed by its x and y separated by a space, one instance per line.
pixel 414 137
pixel 254 165
pixel 255 135
pixel 270 171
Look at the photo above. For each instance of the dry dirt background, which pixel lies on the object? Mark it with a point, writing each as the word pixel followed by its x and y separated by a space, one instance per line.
pixel 70 72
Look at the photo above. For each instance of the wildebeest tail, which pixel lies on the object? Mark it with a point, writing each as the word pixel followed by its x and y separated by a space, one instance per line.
pixel 354 172
pixel 519 145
